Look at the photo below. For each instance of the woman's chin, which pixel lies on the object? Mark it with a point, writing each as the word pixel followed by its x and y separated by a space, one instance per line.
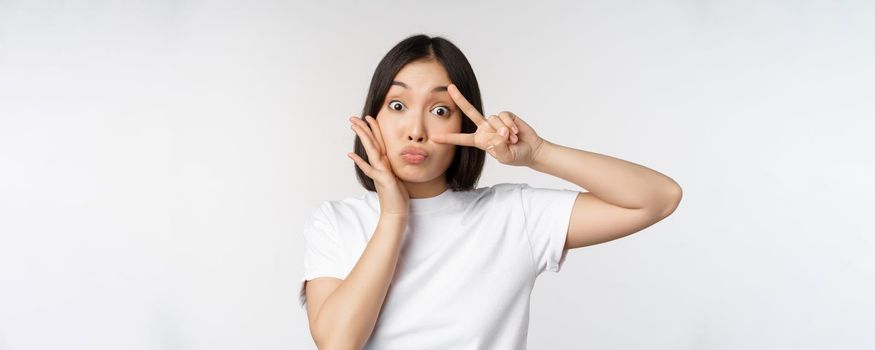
pixel 412 173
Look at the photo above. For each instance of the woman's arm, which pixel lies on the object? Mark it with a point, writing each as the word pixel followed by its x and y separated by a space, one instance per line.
pixel 619 182
pixel 623 197
pixel 348 315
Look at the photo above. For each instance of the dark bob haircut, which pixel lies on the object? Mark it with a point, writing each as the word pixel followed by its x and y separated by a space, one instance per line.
pixel 464 171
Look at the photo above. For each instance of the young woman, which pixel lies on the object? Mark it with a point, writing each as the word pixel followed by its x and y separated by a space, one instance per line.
pixel 425 259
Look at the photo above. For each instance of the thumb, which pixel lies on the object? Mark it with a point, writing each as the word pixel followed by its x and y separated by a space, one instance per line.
pixel 500 149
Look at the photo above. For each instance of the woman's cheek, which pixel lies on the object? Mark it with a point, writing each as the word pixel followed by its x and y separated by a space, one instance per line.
pixel 447 153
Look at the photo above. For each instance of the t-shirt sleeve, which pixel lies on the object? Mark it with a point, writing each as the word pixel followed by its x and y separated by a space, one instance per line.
pixel 323 249
pixel 547 214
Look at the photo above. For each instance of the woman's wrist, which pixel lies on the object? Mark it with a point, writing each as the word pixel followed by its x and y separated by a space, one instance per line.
pixel 393 217
pixel 541 147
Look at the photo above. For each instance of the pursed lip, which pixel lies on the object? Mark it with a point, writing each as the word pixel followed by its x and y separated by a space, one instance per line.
pixel 414 150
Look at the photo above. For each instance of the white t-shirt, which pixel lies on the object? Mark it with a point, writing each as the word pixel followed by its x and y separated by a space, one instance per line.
pixel 467 265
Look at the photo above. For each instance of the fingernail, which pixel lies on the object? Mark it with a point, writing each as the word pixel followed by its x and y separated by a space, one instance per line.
pixel 515 130
pixel 503 132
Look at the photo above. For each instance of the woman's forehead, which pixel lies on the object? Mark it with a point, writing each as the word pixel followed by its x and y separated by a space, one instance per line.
pixel 422 76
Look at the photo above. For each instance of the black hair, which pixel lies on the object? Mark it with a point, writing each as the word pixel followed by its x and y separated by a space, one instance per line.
pixel 467 165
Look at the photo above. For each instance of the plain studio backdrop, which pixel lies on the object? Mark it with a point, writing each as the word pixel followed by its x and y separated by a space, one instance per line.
pixel 158 158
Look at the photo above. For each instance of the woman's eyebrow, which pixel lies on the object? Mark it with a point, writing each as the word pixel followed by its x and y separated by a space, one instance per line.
pixel 401 84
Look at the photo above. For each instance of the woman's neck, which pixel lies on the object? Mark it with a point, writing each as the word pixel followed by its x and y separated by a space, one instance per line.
pixel 426 189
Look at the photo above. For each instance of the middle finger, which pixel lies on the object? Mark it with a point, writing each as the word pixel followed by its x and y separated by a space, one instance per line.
pixel 378 135
pixel 368 130
pixel 373 153
pixel 467 108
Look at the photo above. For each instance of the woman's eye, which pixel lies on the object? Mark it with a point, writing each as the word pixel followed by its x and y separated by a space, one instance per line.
pixel 440 111
pixel 395 103
pixel 444 111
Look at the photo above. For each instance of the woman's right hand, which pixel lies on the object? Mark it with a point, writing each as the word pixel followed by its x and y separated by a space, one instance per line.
pixel 392 193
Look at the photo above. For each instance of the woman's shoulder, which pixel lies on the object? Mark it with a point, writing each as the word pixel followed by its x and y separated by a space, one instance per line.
pixel 515 191
pixel 344 207
pixel 496 192
pixel 500 188
pixel 504 186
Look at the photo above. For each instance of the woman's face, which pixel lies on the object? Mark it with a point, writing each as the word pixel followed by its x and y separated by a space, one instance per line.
pixel 418 106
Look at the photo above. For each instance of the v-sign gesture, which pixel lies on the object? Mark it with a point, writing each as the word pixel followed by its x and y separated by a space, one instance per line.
pixel 505 136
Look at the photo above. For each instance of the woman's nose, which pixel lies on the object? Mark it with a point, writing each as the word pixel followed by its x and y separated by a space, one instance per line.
pixel 416 129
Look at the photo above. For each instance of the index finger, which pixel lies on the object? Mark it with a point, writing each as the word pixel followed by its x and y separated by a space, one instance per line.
pixel 462 139
pixel 464 105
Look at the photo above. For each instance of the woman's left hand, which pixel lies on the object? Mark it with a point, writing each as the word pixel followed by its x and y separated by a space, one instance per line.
pixel 505 136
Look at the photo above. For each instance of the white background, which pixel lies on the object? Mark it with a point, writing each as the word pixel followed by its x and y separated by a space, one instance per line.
pixel 157 160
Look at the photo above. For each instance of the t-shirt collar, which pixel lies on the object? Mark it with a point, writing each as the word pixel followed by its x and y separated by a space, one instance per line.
pixel 430 204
